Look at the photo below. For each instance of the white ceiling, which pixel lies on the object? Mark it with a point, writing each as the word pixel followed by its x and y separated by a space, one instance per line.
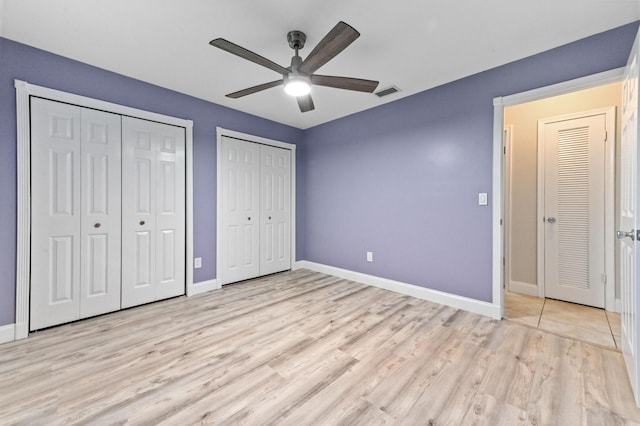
pixel 413 44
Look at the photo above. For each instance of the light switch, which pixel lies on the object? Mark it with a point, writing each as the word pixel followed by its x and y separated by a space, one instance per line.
pixel 482 199
pixel 197 262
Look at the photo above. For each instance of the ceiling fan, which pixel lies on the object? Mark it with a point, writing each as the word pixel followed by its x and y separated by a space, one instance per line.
pixel 298 77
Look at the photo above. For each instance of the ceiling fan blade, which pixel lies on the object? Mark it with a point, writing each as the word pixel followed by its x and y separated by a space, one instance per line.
pixel 254 89
pixel 346 83
pixel 341 36
pixel 305 103
pixel 226 45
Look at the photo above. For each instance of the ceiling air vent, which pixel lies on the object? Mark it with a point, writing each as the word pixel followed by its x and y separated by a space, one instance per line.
pixel 388 91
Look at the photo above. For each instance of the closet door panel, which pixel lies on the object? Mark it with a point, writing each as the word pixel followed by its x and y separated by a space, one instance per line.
pixel 55 213
pixel 101 211
pixel 170 232
pixel 240 221
pixel 138 212
pixel 275 210
pixel 153 211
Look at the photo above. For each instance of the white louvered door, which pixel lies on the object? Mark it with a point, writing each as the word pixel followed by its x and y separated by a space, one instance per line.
pixel 629 220
pixel 574 264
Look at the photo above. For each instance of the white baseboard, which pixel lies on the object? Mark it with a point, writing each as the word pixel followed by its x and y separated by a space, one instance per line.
pixel 202 287
pixel 12 332
pixel 7 333
pixel 452 300
pixel 523 288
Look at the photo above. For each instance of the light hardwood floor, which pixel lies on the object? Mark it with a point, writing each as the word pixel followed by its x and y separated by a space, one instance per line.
pixel 306 348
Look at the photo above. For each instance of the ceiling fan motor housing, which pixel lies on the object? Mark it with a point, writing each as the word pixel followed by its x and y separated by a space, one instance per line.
pixel 296 39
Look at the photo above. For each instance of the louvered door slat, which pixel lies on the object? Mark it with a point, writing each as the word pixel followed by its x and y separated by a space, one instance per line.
pixel 574 196
pixel 573 207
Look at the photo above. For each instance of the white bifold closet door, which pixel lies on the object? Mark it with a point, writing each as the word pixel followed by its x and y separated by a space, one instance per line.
pixel 275 209
pixel 240 210
pixel 255 210
pixel 153 211
pixel 75 232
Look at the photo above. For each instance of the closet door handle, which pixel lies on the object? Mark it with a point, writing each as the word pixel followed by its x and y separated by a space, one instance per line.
pixel 269 217
pixel 142 222
pixel 249 218
pixel 97 225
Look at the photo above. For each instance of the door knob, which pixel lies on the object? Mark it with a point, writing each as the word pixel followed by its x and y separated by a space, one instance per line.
pixel 551 219
pixel 622 235
pixel 142 222
pixel 97 225
pixel 249 218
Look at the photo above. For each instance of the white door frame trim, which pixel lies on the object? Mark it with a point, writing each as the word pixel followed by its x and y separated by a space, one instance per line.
pixel 24 91
pixel 499 104
pixel 609 199
pixel 264 141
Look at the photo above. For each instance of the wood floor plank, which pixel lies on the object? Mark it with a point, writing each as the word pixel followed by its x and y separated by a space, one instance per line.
pixel 453 387
pixel 487 410
pixel 329 405
pixel 558 391
pixel 515 361
pixel 606 384
pixel 305 348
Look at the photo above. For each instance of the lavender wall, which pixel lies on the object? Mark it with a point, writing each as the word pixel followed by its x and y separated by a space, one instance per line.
pixel 402 180
pixel 18 61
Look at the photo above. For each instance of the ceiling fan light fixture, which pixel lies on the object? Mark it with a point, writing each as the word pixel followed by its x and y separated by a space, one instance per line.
pixel 297 86
pixel 300 75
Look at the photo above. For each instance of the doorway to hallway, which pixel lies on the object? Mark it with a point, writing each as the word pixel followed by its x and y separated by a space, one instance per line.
pixel 559 196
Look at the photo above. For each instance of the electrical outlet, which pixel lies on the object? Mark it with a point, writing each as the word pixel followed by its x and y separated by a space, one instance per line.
pixel 197 262
pixel 369 256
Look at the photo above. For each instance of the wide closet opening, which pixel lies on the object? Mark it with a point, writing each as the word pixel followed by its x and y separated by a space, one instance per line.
pixel 255 218
pixel 104 208
pixel 107 212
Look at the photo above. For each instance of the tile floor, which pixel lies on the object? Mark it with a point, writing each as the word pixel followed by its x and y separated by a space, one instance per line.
pixel 579 322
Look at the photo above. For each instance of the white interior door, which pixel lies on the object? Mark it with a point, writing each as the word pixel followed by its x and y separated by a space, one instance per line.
pixel 75 213
pixel 153 212
pixel 574 184
pixel 240 219
pixel 100 210
pixel 275 209
pixel 629 225
pixel 55 213
pixel 170 211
